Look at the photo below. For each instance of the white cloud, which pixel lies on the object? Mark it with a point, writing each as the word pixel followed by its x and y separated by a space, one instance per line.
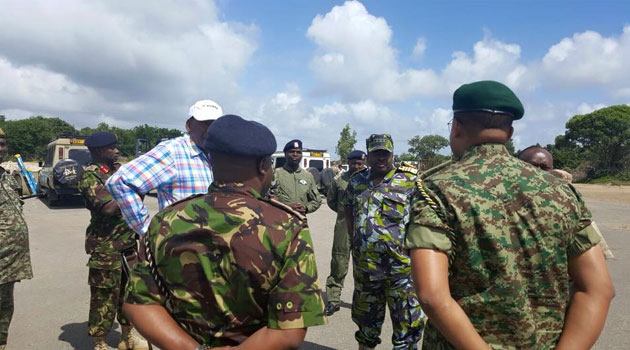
pixel 588 58
pixel 585 108
pixel 120 58
pixel 356 60
pixel 420 48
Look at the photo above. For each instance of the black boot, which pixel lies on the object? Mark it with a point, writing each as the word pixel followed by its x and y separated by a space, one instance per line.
pixel 331 309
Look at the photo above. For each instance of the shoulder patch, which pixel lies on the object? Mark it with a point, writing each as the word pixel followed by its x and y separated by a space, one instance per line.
pixel 286 208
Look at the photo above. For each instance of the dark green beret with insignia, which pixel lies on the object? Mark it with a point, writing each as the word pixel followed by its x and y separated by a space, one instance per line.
pixel 487 96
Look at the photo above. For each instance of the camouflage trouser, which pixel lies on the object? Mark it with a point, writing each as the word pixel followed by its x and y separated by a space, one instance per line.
pixel 368 311
pixel 6 310
pixel 107 288
pixel 338 265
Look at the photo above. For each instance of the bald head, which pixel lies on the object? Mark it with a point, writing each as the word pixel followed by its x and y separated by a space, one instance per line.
pixel 538 157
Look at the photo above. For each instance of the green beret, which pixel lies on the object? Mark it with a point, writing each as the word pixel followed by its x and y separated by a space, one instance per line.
pixel 487 96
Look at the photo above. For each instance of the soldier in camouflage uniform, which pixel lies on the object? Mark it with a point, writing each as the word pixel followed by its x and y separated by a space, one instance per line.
pixel 377 211
pixel 341 239
pixel 229 267
pixel 293 185
pixel 106 237
pixel 15 259
pixel 494 240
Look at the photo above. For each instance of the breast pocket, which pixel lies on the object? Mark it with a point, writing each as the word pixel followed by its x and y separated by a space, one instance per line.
pixel 393 208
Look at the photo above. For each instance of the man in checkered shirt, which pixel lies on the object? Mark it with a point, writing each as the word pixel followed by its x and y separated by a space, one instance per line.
pixel 177 168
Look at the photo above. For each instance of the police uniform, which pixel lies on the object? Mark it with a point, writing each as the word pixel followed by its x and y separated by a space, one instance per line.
pixel 15 259
pixel 382 271
pixel 231 261
pixel 508 229
pixel 341 239
pixel 296 186
pixel 106 237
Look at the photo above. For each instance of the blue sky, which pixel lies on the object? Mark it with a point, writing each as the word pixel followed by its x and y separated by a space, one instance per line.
pixel 306 68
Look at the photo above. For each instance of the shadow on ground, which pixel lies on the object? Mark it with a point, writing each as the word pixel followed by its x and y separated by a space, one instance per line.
pixel 76 335
pixel 307 345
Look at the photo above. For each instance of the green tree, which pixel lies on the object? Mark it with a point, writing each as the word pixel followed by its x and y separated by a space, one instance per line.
pixel 29 137
pixel 425 150
pixel 600 139
pixel 347 140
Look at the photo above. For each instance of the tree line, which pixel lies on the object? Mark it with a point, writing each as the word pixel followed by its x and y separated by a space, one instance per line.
pixel 595 145
pixel 29 137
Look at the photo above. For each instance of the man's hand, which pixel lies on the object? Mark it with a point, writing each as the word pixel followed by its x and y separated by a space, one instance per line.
pixel 299 207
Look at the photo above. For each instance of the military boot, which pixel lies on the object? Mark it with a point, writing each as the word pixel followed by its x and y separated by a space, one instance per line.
pixel 131 340
pixel 100 343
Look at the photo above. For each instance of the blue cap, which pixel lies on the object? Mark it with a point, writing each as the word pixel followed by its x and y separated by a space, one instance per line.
pixel 231 134
pixel 293 144
pixel 356 154
pixel 101 139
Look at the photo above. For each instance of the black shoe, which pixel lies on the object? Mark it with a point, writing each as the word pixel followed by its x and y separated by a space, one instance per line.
pixel 331 309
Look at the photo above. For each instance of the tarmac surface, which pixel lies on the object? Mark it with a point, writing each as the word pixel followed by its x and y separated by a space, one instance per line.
pixel 51 309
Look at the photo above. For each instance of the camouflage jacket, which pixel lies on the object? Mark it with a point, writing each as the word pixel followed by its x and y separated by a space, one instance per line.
pixel 380 213
pixel 296 187
pixel 514 228
pixel 15 258
pixel 232 263
pixel 106 236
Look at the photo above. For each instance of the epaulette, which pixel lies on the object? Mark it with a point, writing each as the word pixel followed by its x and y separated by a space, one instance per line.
pixel 286 208
pixel 435 169
pixel 187 199
pixel 91 167
pixel 407 169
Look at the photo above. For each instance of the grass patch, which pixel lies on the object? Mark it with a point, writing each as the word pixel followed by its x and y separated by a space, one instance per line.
pixel 613 180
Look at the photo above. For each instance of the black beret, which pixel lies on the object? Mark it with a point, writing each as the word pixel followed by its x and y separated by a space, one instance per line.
pixel 293 144
pixel 487 96
pixel 101 139
pixel 231 134
pixel 356 154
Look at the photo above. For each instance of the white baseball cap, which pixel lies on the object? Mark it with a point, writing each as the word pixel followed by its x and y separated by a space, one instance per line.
pixel 205 110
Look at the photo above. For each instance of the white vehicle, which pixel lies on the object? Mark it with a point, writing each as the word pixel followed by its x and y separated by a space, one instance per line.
pixel 311 158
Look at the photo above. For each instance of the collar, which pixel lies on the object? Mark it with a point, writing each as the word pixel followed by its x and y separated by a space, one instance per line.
pixel 234 187
pixel 192 147
pixel 386 179
pixel 299 169
pixel 485 149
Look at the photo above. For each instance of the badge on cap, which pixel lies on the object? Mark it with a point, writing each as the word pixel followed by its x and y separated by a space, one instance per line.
pixel 296 145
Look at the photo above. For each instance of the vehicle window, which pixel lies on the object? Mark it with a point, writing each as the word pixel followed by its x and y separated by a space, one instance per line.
pixel 280 162
pixel 82 156
pixel 316 163
pixel 49 156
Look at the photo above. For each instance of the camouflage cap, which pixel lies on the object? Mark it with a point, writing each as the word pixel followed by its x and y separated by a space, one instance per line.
pixel 487 96
pixel 379 141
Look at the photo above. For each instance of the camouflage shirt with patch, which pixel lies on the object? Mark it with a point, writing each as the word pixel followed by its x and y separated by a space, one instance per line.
pixel 106 236
pixel 381 212
pixel 232 263
pixel 514 228
pixel 15 258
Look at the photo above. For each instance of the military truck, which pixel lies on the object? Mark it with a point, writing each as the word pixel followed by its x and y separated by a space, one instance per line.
pixel 62 168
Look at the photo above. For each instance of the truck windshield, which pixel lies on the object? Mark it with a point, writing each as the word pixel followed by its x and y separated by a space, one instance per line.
pixel 82 156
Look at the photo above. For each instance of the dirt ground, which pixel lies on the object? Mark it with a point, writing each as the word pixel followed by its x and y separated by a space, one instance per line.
pixel 605 193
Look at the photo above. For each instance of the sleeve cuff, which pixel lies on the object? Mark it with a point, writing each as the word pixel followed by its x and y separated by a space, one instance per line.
pixel 427 238
pixel 584 240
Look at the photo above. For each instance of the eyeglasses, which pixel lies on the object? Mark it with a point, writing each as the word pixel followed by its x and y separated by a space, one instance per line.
pixel 449 124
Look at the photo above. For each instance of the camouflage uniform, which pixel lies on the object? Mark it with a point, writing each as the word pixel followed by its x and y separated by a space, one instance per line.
pixel 381 266
pixel 341 240
pixel 296 187
pixel 513 228
pixel 106 237
pixel 15 259
pixel 232 263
